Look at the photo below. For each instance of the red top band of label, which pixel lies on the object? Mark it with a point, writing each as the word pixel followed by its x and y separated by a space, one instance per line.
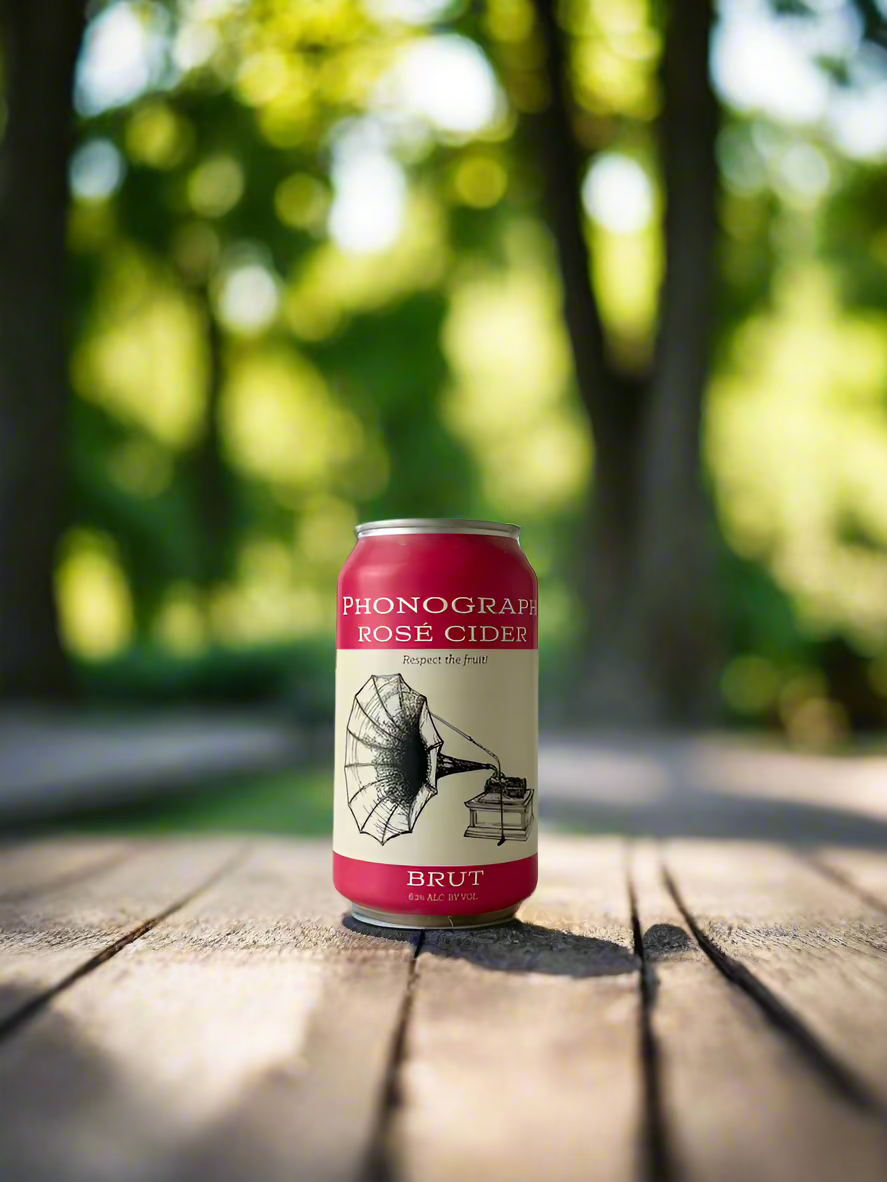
pixel 438 592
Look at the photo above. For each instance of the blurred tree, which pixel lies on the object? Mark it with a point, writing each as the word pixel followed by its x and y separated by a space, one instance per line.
pixel 655 607
pixel 249 380
pixel 222 175
pixel 655 651
pixel 40 46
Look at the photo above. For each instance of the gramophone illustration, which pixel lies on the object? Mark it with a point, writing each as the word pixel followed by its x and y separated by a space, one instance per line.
pixel 394 761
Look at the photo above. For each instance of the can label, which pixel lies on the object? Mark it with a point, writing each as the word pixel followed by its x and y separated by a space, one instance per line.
pixel 436 752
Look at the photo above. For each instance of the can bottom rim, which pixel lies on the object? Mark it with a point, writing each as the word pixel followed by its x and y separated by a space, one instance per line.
pixel 391 919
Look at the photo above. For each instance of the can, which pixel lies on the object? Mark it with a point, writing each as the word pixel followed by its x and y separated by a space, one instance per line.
pixel 437 705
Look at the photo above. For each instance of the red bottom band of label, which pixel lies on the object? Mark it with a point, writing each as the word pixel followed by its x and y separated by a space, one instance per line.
pixel 435 890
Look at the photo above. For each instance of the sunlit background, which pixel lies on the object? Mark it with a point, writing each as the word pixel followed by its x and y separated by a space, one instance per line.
pixel 313 284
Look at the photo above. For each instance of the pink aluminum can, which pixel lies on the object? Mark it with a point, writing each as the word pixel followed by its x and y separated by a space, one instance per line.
pixel 436 724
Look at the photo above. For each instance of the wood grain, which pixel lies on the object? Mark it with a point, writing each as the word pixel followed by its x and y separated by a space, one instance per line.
pixel 522 1053
pixel 248 1036
pixel 863 870
pixel 252 1033
pixel 818 948
pixel 45 937
pixel 53 864
pixel 738 1100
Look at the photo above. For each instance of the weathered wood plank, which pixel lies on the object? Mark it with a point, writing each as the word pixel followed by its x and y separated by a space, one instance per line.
pixel 866 870
pixel 34 866
pixel 818 949
pixel 737 1099
pixel 44 937
pixel 521 1054
pixel 250 1034
pixel 247 1036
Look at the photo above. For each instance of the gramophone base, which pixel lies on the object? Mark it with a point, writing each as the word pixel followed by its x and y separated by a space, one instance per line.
pixel 494 815
pixel 490 833
pixel 388 919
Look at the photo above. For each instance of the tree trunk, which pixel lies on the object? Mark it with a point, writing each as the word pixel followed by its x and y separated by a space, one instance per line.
pixel 612 400
pixel 41 44
pixel 647 583
pixel 672 608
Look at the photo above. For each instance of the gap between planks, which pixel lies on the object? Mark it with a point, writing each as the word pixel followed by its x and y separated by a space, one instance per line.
pixel 778 1013
pixel 657 1158
pixel 508 1034
pixel 830 865
pixel 395 1095
pixel 247 1035
pixel 13 1021
pixel 379 1166
pixel 813 959
pixel 24 874
pixel 737 1096
pixel 776 1039
pixel 657 1154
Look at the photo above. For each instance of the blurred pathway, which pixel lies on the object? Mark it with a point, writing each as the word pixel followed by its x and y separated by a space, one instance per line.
pixel 713 786
pixel 716 785
pixel 55 761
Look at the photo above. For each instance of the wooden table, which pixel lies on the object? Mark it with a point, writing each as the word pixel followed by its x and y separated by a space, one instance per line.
pixel 200 1010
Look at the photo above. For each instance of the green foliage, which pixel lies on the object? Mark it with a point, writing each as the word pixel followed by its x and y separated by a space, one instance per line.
pixel 855 235
pixel 298 803
pixel 390 366
pixel 299 678
pixel 228 453
pixel 759 616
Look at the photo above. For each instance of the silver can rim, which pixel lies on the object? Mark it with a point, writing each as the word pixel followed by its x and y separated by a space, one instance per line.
pixel 437 525
pixel 404 921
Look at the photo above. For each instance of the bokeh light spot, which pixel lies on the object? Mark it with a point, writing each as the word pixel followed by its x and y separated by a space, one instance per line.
pixel 122 55
pixel 263 77
pixel 142 354
pixel 215 186
pixel 480 181
pixel 95 605
pixel 97 170
pixel 447 80
pixel 282 426
pixel 301 201
pixel 617 194
pixel 181 624
pixel 368 209
pixel 156 135
pixel 325 532
pixel 248 297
